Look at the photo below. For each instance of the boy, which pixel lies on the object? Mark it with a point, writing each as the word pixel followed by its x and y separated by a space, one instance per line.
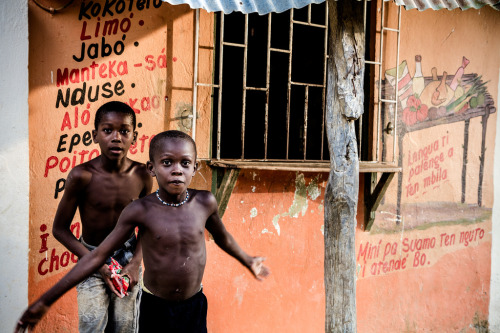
pixel 100 189
pixel 171 231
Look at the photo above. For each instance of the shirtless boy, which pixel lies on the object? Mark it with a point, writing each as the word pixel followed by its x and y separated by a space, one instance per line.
pixel 100 189
pixel 171 230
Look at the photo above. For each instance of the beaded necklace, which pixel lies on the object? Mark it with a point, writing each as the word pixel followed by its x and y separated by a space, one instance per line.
pixel 172 204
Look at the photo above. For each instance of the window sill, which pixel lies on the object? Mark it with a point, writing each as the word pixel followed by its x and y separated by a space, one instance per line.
pixel 305 166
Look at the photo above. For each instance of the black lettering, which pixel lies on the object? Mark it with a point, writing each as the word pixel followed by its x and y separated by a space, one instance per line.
pixel 82 54
pixel 95 48
pixel 87 138
pixel 105 88
pixel 96 97
pixel 61 143
pixel 122 47
pixel 59 187
pixel 96 9
pixel 75 140
pixel 74 96
pixel 119 88
pixel 120 6
pixel 83 10
pixel 60 98
pixel 107 7
pixel 105 48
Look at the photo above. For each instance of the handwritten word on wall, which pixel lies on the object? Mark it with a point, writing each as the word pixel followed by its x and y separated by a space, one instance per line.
pixel 102 68
pixel 383 257
pixel 426 165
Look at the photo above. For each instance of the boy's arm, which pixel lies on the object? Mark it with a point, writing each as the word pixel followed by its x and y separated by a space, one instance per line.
pixel 75 183
pixel 132 269
pixel 85 266
pixel 227 243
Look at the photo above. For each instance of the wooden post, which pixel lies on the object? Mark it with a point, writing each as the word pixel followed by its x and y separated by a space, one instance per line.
pixel 344 105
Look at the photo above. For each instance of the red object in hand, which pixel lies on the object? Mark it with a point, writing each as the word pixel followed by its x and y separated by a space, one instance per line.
pixel 121 283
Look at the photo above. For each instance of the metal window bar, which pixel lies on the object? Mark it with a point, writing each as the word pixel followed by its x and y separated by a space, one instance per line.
pixel 291 83
pixel 381 100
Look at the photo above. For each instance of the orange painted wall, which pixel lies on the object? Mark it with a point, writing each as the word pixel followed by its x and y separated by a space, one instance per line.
pixel 280 214
pixel 441 281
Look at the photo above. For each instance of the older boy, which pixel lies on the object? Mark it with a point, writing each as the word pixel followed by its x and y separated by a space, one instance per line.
pixel 171 228
pixel 100 189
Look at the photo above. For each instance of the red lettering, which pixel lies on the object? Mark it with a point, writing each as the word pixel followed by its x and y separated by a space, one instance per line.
pixel 42 271
pixel 49 165
pixel 83 35
pixel 66 122
pixel 62 77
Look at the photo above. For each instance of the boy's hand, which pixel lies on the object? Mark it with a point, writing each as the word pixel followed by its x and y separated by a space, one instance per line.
pixel 258 269
pixel 132 272
pixel 31 316
pixel 106 276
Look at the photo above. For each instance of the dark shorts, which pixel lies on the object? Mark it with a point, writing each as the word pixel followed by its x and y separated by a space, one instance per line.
pixel 159 315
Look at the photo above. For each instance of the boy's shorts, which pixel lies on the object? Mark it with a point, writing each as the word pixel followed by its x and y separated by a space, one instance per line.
pixel 159 315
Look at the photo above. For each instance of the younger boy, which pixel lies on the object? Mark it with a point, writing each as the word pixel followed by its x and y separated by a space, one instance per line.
pixel 100 189
pixel 171 231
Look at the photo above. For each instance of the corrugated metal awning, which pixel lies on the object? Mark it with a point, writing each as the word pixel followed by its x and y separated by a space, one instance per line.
pixel 277 6
pixel 245 6
pixel 447 4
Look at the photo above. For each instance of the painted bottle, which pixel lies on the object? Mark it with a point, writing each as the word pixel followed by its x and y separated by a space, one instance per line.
pixel 458 74
pixel 418 78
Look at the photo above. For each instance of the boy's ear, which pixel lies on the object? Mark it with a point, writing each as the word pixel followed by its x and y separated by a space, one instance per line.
pixel 196 166
pixel 135 138
pixel 94 136
pixel 151 169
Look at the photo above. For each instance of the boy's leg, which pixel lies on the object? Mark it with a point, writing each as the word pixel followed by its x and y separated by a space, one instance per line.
pixel 124 312
pixel 93 302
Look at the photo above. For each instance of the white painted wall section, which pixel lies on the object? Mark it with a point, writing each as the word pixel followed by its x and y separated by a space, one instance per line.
pixel 14 168
pixel 494 317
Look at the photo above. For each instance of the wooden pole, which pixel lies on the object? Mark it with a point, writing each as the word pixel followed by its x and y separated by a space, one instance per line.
pixel 344 105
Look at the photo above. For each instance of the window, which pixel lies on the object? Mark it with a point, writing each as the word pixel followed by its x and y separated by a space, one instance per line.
pixel 269 89
pixel 272 76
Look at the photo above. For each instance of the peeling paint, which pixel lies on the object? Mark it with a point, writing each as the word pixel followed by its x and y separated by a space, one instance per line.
pixel 300 202
pixel 313 189
pixel 253 189
pixel 323 229
pixel 265 231
pixel 253 212
pixel 276 224
pixel 241 285
pixel 300 198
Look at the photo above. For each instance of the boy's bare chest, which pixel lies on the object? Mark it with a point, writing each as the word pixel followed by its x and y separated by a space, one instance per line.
pixel 175 229
pixel 112 193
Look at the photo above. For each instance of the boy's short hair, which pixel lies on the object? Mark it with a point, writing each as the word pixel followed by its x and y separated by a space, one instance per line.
pixel 117 107
pixel 154 146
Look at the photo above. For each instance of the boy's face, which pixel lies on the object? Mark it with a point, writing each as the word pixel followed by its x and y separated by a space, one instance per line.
pixel 114 134
pixel 174 165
